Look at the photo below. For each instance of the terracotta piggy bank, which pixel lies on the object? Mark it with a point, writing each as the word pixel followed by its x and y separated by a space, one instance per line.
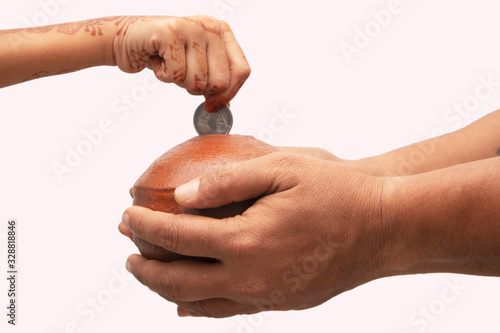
pixel 191 159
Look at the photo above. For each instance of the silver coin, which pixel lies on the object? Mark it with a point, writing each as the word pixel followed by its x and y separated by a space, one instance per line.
pixel 218 122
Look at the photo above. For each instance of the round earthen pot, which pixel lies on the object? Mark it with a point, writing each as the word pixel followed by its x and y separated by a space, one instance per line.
pixel 183 163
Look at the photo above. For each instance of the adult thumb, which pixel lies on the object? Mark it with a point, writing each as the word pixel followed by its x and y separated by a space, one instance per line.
pixel 233 182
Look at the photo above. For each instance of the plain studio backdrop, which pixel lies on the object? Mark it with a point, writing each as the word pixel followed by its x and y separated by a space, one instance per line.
pixel 357 78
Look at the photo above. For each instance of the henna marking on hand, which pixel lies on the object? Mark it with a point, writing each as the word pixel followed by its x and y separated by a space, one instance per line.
pixel 197 82
pixel 225 26
pixel 179 75
pixel 176 51
pixel 178 79
pixel 124 23
pixel 179 70
pixel 212 26
pixel 195 45
pixel 139 60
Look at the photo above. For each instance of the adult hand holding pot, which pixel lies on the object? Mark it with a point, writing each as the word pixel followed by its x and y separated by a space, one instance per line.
pixel 319 228
pixel 308 238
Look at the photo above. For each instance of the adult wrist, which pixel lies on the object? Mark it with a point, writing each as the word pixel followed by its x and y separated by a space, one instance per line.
pixel 405 238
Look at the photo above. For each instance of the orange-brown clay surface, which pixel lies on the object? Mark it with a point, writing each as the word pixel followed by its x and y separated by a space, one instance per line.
pixel 191 159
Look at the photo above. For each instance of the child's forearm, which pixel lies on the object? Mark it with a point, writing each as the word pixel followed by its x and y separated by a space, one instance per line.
pixel 31 53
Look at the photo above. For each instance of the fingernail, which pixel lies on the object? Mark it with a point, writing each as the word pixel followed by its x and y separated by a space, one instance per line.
pixel 128 267
pixel 212 107
pixel 187 191
pixel 126 220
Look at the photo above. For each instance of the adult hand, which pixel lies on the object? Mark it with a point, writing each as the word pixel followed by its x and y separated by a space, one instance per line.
pixel 307 151
pixel 315 232
pixel 197 53
pixel 313 152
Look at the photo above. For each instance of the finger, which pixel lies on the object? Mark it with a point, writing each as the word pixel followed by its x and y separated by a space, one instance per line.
pixel 196 78
pixel 183 305
pixel 237 182
pixel 125 231
pixel 170 64
pixel 218 65
pixel 214 308
pixel 183 280
pixel 319 153
pixel 190 235
pixel 239 71
pixel 183 313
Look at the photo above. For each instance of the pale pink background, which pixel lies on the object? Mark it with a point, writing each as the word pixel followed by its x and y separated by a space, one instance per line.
pixel 396 91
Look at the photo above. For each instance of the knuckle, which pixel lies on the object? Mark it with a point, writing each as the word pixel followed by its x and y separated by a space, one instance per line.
pixel 172 74
pixel 253 287
pixel 138 274
pixel 289 161
pixel 208 23
pixel 207 18
pixel 247 247
pixel 213 184
pixel 136 220
pixel 168 235
pixel 203 308
pixel 170 286
pixel 198 82
pixel 223 177
pixel 213 24
pixel 242 249
pixel 215 308
pixel 225 26
pixel 242 245
pixel 219 82
pixel 179 75
pixel 242 72
pixel 194 93
pixel 286 168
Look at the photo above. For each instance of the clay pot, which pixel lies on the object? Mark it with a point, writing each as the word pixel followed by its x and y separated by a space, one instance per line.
pixel 191 159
